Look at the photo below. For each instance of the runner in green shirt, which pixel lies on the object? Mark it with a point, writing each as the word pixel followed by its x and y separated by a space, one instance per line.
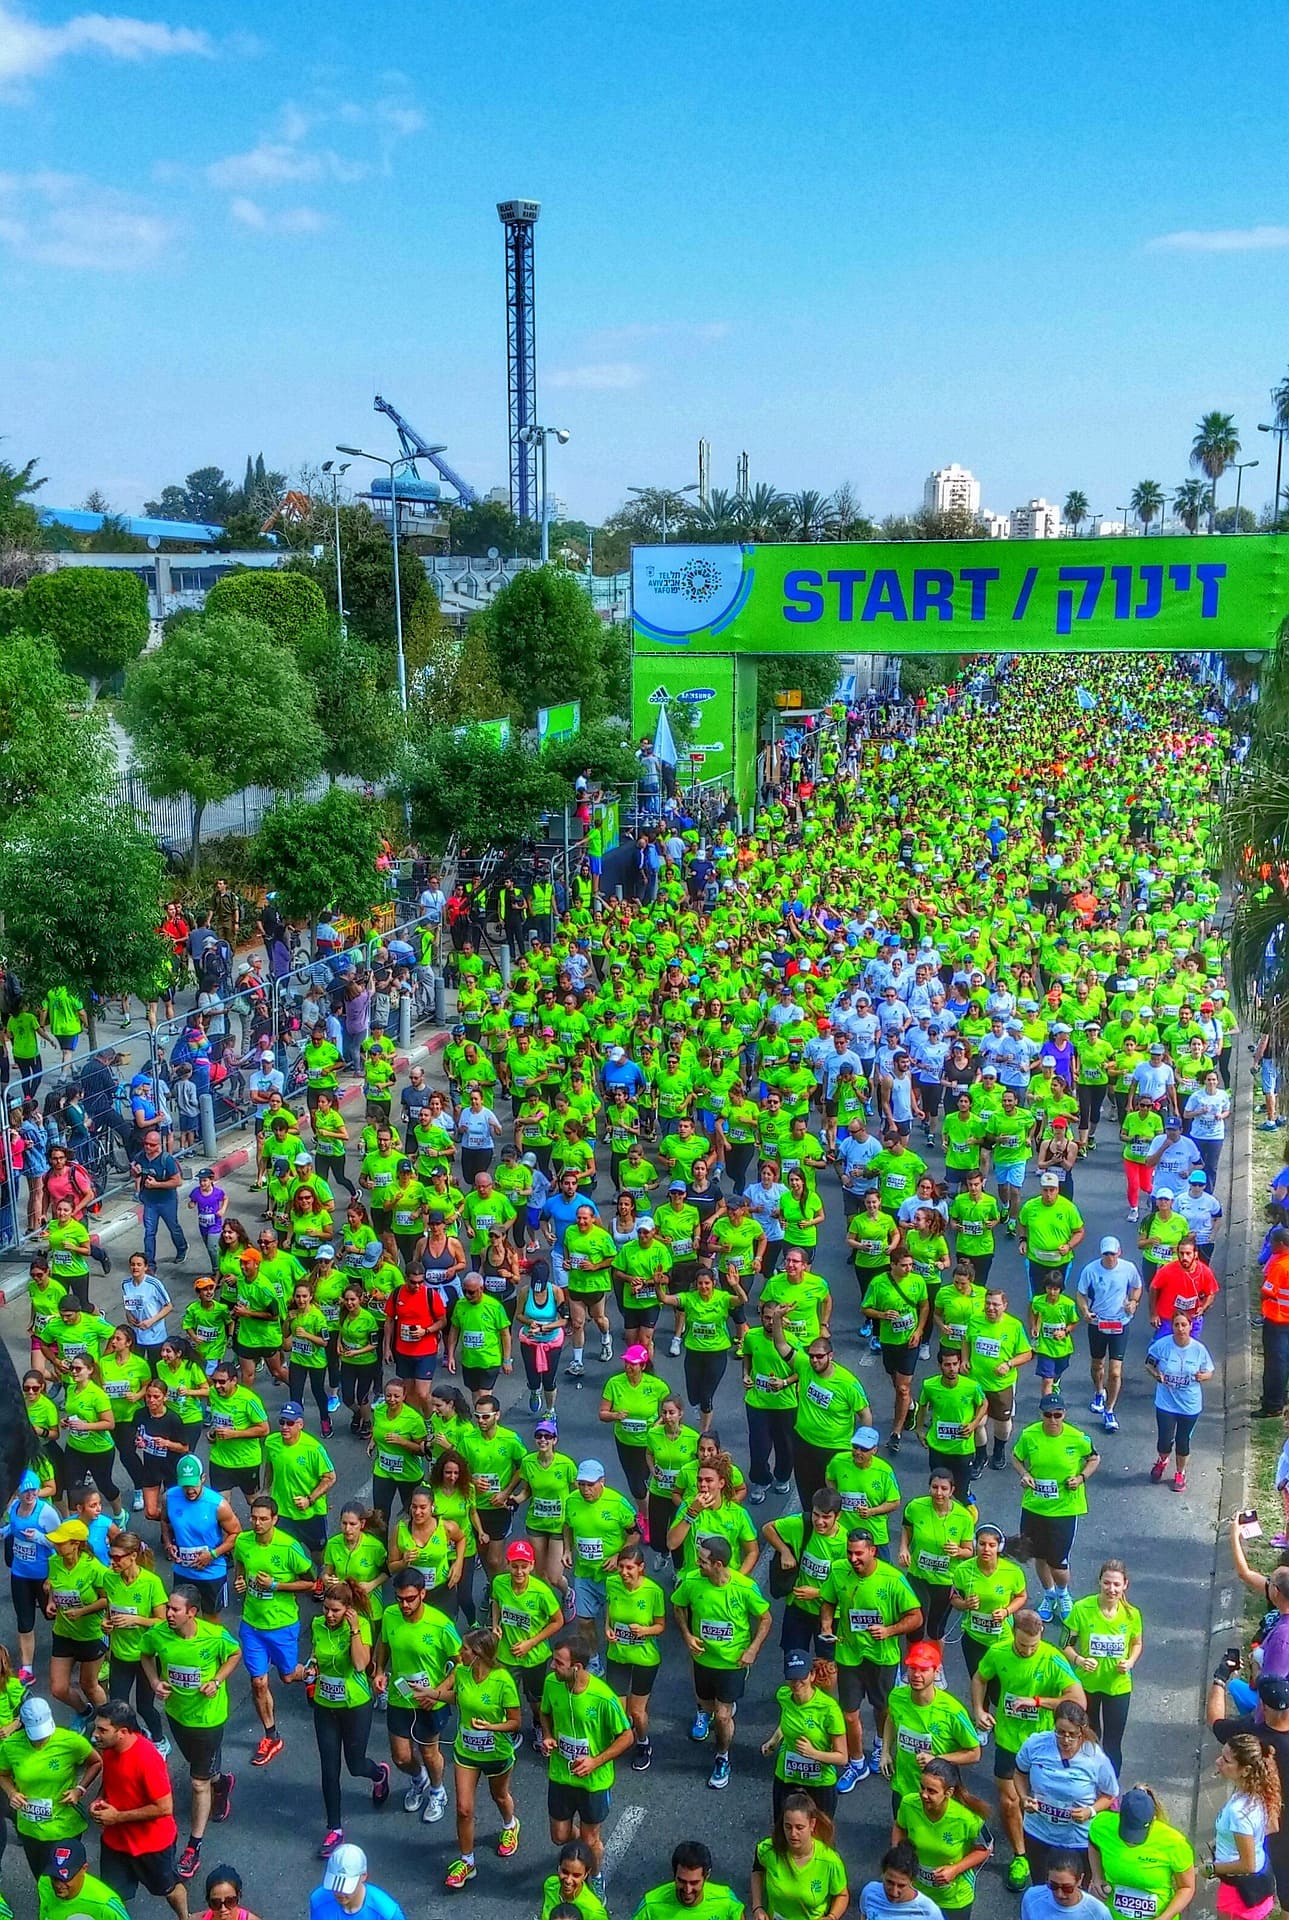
pixel 1050 1229
pixel 951 1417
pixel 1146 1870
pixel 994 1349
pixel 690 1894
pixel 417 1648
pixel 948 1835
pixel 973 1214
pixel 300 1475
pixel 924 1721
pixel 809 1743
pixel 1103 1643
pixel 41 1766
pixel 988 1591
pixel 546 1478
pixel 585 1729
pixel 831 1403
pixel 1052 1316
pixel 867 1605
pixel 899 1304
pixel 804 1879
pixel 635 1620
pixel 867 1485
pixel 526 1615
pixel 629 1402
pixel 270 1568
pixel 488 1718
pixel 1032 1680
pixel 182 1656
pixel 724 1619
pixel 1055 1462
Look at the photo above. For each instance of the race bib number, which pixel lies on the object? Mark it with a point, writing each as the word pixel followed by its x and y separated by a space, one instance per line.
pixel 665 1478
pixel 487 1483
pixel 766 1382
pixel 1053 1331
pixel 474 1740
pixel 390 1463
pixel 63 1601
pixel 863 1619
pixel 1110 1326
pixel 796 1766
pixel 187 1556
pixel 819 1396
pixel 1050 1812
pixel 948 1429
pixel 330 1690
pixel 638 1427
pixel 590 1548
pixel 301 1350
pixel 571 1749
pixel 989 1349
pixel 184 1676
pixel 1107 1646
pixel 716 1632
pixel 909 1741
pixel 1017 1707
pixel 1047 1489
pixel 547 1509
pixel 624 1633
pixel 816 1568
pixel 38 1810
pixel 117 1389
pixel 474 1338
pixel 1133 1905
pixel 902 1323
pixel 933 1562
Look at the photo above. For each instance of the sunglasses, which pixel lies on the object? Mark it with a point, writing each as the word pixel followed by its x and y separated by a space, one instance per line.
pixel 33 1389
pixel 222 1899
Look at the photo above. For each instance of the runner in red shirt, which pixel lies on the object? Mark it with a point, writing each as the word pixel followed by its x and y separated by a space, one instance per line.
pixel 415 1316
pixel 1186 1281
pixel 135 1811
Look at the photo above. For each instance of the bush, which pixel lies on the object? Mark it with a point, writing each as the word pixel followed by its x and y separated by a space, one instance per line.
pixel 286 602
pixel 97 618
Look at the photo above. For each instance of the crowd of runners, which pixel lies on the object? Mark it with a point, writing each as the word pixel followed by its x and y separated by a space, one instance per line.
pixel 942 972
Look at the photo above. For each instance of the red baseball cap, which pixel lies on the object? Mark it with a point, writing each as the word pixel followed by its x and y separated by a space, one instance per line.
pixel 924 1653
pixel 519 1551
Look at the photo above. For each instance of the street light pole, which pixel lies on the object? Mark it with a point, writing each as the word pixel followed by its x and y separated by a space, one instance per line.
pixel 1280 432
pixel 665 494
pixel 537 437
pixel 1124 511
pixel 1240 466
pixel 400 661
pixel 329 466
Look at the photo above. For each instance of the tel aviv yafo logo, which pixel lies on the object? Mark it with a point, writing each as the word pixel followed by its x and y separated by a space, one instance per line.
pixel 679 591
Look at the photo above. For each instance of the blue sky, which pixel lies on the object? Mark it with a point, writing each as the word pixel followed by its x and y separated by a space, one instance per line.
pixel 858 239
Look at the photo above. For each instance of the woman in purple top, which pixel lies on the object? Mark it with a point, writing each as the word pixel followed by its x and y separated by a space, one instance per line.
pixel 357 1022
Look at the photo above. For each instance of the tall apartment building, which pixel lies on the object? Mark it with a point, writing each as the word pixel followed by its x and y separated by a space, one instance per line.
pixel 950 488
pixel 1036 520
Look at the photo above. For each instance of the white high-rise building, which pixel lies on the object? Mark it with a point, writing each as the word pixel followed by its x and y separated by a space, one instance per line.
pixel 951 488
pixel 998 526
pixel 1036 520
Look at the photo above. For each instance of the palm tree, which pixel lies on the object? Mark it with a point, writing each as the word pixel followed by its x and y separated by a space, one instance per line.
pixel 1146 500
pixel 765 514
pixel 811 514
pixel 1280 401
pixel 721 519
pixel 1076 509
pixel 1215 446
pixel 1189 502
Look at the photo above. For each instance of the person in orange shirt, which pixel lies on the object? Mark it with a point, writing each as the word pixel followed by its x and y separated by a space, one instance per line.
pixel 1275 1326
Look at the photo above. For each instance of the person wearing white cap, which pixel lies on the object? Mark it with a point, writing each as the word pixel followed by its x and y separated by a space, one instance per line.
pixel 41 1769
pixel 346 1889
pixel 1108 1292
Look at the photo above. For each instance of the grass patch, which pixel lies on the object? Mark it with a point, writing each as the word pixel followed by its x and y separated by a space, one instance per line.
pixel 1267 1436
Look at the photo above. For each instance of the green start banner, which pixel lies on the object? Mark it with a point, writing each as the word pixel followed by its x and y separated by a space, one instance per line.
pixel 1170 593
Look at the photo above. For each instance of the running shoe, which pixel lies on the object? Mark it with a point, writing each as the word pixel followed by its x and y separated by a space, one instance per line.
pixel 26 1676
pixel 874 1343
pixel 509 1841
pixel 642 1756
pixel 875 1757
pixel 1157 1471
pixel 163 1748
pixel 457 1874
pixel 436 1805
pixel 189 1861
pixel 1011 1229
pixel 414 1798
pixel 1097 1403
pixel 331 1839
pixel 597 1886
pixel 333 1403
pixel 781 1487
pixel 137 1502
pixel 1046 1607
pixel 380 1786
pixel 606 1348
pixel 221 1796
pixel 701 1727
pixel 1109 1422
pixel 1179 1483
pixel 851 1774
pixel 1132 1215
pixel 595 1667
pixel 674 1347
pixel 756 1495
pixel 1064 1603
pixel 326 1426
pixel 1018 1873
pixel 534 1403
pixel 271 1745
pixel 997 1462
pixel 575 1370
pixel 719 1777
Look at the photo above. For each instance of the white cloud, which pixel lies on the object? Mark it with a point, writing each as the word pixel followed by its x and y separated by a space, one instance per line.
pixel 605 376
pixel 249 213
pixel 28 48
pixel 270 164
pixel 61 220
pixel 1221 240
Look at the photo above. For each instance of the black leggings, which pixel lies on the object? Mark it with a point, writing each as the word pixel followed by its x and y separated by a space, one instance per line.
pixel 331 1168
pixel 1174 1430
pixel 359 1385
pixel 126 1674
pixel 478 1160
pixel 934 1602
pixel 96 1467
pixel 1091 1100
pixel 635 1470
pixel 342 1731
pixel 1108 1717
pixel 540 1382
pixel 661 1514
pixel 315 1377
pixel 703 1375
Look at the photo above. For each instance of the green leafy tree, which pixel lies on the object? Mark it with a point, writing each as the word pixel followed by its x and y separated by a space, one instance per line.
pixel 490 523
pixel 425 631
pixel 459 682
pixel 1076 509
pixel 1189 502
pixel 1215 446
pixel 288 603
pixel 603 750
pixel 814 674
pixel 97 618
pixel 51 748
pixel 920 672
pixel 1233 520
pixel 243 533
pixel 320 855
pixel 355 706
pixel 19 520
pixel 458 780
pixel 219 707
pixel 207 495
pixel 368 574
pixel 95 929
pixel 1146 500
pixel 549 642
pixel 810 515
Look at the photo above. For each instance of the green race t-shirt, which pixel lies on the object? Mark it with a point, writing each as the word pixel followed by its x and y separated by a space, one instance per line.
pixel 802 1892
pixel 296 1470
pixel 548 1491
pixel 1051 1460
pixel 1104 1638
pixel 829 1407
pixel 339 1682
pixel 186 1664
pixel 951 1413
pixel 1140 1878
pixel 944 1726
pixel 420 1651
pixel 1044 1674
pixel 233 1414
pixel 635 1407
pixel 521 1615
pixel 43 1774
pixel 942 1843
pixel 584 1724
pixel 625 1611
pixel 137 1604
pixel 281 1558
pixel 994 1591
pixel 861 1489
pixel 722 1617
pixel 817 1720
pixel 492 1698
pixel 599 1529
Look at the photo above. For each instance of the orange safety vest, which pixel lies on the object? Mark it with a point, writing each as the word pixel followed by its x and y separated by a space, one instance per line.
pixel 1275 1290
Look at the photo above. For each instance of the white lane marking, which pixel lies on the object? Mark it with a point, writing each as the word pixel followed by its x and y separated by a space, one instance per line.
pixel 629 1823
